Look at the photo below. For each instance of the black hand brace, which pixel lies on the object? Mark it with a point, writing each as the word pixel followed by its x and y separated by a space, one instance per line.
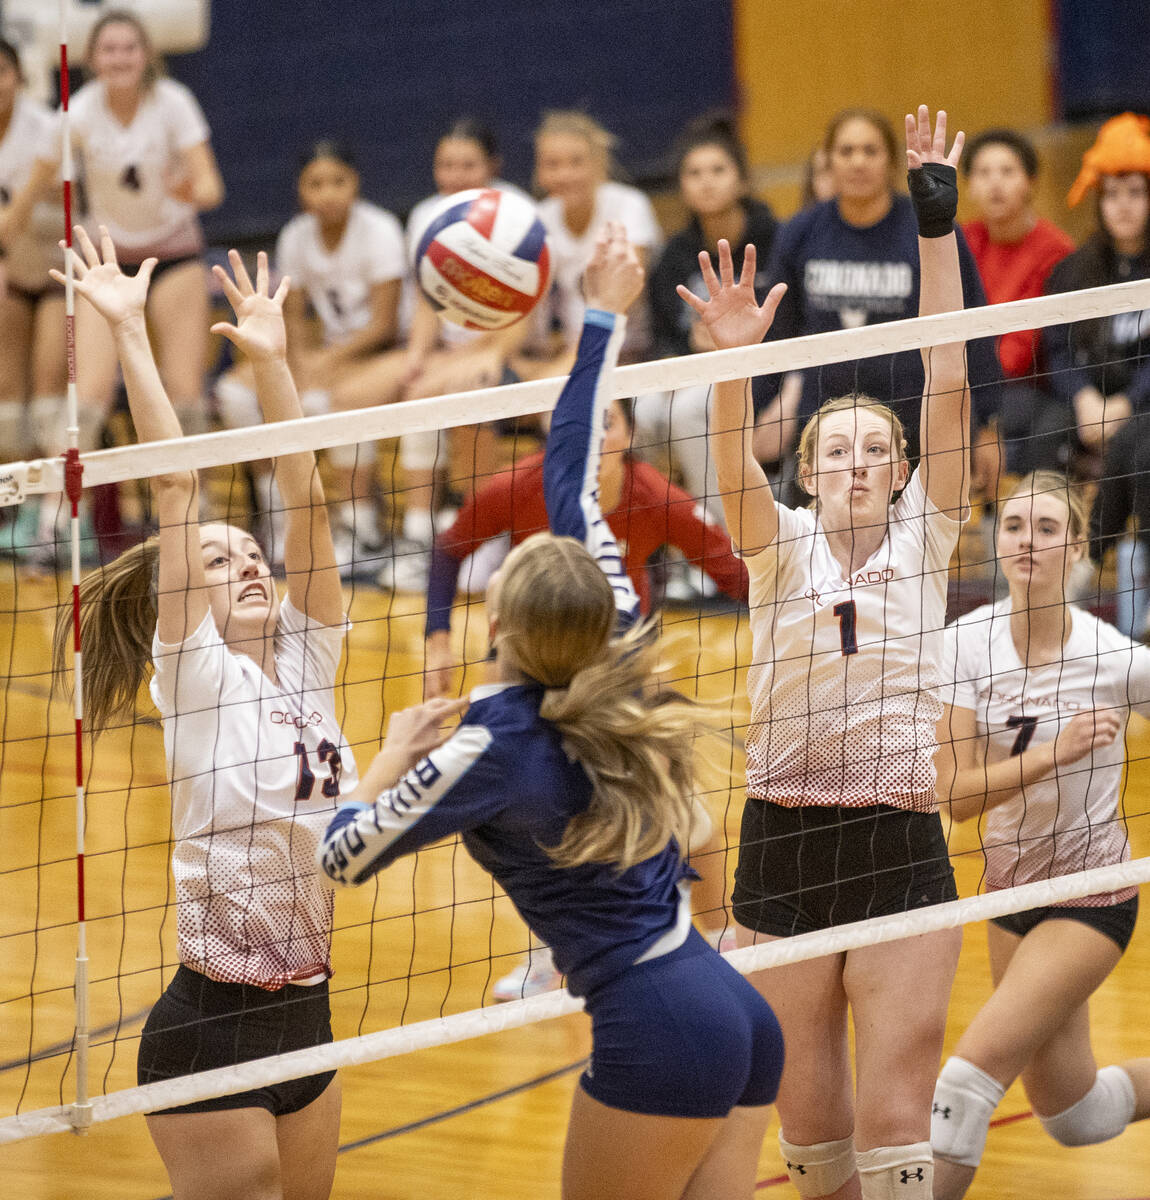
pixel 934 193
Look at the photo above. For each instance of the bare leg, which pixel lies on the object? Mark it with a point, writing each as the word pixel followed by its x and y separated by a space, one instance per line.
pixel 308 1143
pixel 729 1168
pixel 179 316
pixel 227 1155
pixel 815 1100
pixel 899 1032
pixel 1036 1023
pixel 615 1155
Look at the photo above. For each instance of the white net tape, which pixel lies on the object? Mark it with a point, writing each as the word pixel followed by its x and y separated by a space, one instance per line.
pixel 136 462
pixel 423 1035
pixel 519 399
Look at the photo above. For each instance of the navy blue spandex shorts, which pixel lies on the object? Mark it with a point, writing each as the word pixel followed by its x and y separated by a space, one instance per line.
pixel 683 1035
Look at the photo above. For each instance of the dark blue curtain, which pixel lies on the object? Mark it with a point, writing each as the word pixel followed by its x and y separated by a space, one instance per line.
pixel 388 76
pixel 1103 57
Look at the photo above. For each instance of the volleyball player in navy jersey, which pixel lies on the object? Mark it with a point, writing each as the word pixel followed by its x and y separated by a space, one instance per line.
pixel 847 609
pixel 253 781
pixel 569 779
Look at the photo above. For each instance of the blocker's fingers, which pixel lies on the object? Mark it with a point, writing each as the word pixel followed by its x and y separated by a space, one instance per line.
pixel 726 263
pixel 243 279
pixel 940 133
pixel 708 272
pixel 91 258
pixel 282 291
pixel 262 273
pixel 107 246
pixel 747 278
pixel 233 293
pixel 690 298
pixel 923 127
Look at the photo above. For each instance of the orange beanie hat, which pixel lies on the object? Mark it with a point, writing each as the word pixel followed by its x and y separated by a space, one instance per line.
pixel 1121 148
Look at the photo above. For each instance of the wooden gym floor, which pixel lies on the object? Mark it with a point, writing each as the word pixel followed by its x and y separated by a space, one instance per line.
pixel 482 1120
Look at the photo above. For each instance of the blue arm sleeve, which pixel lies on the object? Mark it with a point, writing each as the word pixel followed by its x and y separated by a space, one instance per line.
pixel 571 460
pixel 442 581
pixel 456 787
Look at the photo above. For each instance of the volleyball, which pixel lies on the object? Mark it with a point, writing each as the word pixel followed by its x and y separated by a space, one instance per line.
pixel 482 259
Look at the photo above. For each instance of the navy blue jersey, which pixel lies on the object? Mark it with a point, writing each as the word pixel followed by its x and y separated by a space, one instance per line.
pixel 571 460
pixel 504 781
pixel 839 276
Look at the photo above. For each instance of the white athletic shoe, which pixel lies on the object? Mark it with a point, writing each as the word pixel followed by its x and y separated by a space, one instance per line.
pixel 533 976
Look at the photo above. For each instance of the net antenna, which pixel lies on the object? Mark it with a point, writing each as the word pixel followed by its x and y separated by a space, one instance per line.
pixel 80 1114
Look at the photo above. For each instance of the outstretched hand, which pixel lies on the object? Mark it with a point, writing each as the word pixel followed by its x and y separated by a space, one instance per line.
pixel 614 276
pixel 731 315
pixel 97 276
pixel 922 147
pixel 259 328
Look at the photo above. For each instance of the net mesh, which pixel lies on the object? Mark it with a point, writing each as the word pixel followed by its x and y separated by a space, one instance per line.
pixel 415 952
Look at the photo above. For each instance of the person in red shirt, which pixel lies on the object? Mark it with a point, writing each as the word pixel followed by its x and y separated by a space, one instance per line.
pixel 643 509
pixel 1015 250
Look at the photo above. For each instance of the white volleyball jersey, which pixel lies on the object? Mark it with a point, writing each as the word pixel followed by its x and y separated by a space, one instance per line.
pixel 129 169
pixel 256 770
pixel 843 710
pixel 339 282
pixel 450 333
pixel 29 138
pixel 1070 820
pixel 571 254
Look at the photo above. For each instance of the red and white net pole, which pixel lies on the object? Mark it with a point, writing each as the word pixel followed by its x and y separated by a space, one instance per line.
pixel 73 472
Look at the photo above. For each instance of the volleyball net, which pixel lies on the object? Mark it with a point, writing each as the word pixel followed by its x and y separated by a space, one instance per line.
pixel 415 952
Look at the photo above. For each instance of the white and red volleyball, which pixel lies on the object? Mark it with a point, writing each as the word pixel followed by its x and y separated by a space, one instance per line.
pixel 482 259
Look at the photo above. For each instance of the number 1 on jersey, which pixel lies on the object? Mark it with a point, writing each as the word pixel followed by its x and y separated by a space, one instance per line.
pixel 847 615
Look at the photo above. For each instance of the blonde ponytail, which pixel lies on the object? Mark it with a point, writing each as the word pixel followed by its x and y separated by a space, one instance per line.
pixel 555 613
pixel 117 622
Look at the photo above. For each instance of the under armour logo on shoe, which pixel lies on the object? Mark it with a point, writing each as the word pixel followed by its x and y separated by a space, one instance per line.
pixel 798 1168
pixel 940 1110
pixel 907 1176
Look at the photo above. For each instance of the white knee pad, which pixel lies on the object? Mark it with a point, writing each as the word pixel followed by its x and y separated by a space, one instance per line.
pixel 349 455
pixel 820 1169
pixel 965 1098
pixel 14 440
pixel 237 404
pixel 897 1172
pixel 1103 1113
pixel 419 451
pixel 47 423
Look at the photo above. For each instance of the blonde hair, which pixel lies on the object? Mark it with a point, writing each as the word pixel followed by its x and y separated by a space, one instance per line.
pixel 1072 495
pixel 809 438
pixel 122 16
pixel 575 123
pixel 556 612
pixel 117 621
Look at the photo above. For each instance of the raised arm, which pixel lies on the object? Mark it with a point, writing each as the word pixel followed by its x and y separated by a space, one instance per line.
pixel 945 424
pixel 182 600
pixel 734 318
pixel 309 557
pixel 612 282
